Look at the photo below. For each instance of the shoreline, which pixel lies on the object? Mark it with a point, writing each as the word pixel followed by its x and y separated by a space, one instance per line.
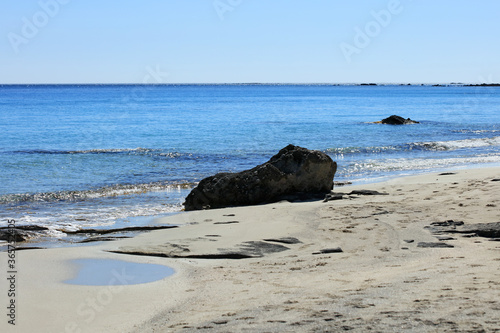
pixel 383 279
pixel 72 239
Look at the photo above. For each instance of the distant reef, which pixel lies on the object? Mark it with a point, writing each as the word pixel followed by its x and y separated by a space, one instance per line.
pixel 396 120
pixel 484 85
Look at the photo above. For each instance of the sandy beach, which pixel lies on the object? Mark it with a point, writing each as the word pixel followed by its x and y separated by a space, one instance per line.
pixel 391 261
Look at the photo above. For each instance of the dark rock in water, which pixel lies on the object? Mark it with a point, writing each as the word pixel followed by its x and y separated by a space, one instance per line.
pixel 21 233
pixel 397 120
pixel 294 170
pixel 15 235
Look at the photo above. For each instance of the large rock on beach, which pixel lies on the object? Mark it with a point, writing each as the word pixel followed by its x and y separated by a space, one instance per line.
pixel 397 120
pixel 294 170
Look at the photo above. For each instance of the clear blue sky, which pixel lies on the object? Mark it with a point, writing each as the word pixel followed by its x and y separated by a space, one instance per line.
pixel 207 41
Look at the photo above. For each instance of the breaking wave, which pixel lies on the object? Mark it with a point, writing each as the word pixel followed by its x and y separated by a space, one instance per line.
pixel 423 146
pixel 410 165
pixel 81 195
pixel 126 151
pixel 458 144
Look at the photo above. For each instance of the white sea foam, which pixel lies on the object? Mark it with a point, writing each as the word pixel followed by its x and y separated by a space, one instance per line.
pixel 72 218
pixel 426 145
pixel 409 165
pixel 111 191
pixel 460 144
pixel 104 151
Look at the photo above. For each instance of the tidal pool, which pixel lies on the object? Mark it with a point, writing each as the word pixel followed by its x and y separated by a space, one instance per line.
pixel 110 272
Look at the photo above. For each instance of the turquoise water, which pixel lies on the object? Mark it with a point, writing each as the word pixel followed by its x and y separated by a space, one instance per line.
pixel 95 155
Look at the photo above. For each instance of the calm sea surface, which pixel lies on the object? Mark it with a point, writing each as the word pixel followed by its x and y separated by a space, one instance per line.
pixel 107 156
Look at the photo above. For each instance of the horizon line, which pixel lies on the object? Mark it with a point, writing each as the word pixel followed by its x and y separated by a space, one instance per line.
pixel 259 83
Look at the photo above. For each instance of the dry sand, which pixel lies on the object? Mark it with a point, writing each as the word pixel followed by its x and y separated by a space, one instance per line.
pixel 381 282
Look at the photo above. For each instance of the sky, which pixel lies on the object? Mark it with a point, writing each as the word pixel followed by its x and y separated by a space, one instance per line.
pixel 249 41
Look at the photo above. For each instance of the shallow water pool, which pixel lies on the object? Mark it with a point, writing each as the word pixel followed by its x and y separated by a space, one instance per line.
pixel 111 272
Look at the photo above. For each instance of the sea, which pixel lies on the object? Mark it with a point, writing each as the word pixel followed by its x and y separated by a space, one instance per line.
pixel 111 156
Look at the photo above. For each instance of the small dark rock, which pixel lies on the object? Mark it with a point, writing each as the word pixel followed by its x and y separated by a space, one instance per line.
pixel 397 120
pixel 447 174
pixel 228 222
pixel 496 180
pixel 447 223
pixel 489 230
pixel 14 235
pixel 444 227
pixel 409 240
pixel 331 250
pixel 110 231
pixel 335 184
pixel 434 244
pixel 284 240
pixel 366 192
pixel 28 228
pixel 22 248
pixel 102 239
pixel 469 235
pixel 333 196
pixel 444 238
pixel 21 233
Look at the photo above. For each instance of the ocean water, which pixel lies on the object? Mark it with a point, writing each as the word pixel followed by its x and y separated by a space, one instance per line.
pixel 105 156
